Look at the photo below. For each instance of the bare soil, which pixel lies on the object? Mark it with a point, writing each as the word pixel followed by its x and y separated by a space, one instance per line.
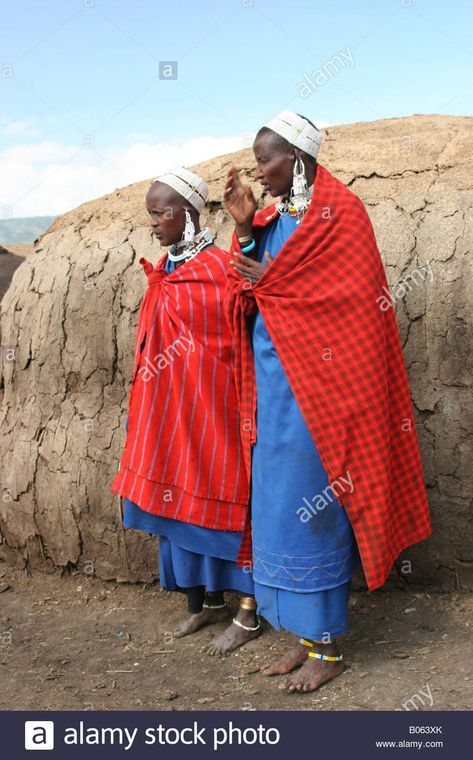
pixel 74 642
pixel 20 249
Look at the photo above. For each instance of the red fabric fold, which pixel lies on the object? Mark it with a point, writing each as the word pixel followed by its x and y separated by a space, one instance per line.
pixel 183 456
pixel 321 301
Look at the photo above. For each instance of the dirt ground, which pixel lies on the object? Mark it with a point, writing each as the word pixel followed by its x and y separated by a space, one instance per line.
pixel 77 643
pixel 20 249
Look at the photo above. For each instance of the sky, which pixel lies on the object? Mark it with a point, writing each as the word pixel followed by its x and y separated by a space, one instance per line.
pixel 97 94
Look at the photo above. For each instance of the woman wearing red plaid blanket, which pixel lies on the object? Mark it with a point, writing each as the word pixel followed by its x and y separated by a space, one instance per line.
pixel 327 422
pixel 182 474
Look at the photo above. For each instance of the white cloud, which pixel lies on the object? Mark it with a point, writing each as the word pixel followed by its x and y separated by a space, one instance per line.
pixel 37 153
pixel 51 177
pixel 22 128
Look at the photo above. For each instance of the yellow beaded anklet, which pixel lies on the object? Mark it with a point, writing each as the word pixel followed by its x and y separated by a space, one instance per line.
pixel 326 657
pixel 317 655
pixel 306 643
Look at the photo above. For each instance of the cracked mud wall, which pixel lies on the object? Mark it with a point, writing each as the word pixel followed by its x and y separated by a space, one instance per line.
pixel 68 327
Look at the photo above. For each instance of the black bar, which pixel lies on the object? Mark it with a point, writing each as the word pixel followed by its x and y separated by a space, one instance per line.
pixel 288 735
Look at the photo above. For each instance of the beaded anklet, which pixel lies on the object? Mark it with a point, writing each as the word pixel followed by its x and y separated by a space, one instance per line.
pixel 318 655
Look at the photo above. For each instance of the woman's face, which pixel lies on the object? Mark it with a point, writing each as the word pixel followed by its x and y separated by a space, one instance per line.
pixel 166 211
pixel 275 166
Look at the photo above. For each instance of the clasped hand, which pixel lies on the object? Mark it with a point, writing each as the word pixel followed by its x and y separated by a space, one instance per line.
pixel 250 269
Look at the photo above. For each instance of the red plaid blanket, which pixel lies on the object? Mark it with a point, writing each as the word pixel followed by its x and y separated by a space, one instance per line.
pixel 183 456
pixel 321 301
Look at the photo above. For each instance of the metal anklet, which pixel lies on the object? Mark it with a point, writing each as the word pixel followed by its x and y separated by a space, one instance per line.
pixel 214 606
pixel 246 627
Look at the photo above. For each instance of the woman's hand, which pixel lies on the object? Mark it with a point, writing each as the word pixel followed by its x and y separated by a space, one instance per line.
pixel 250 269
pixel 240 201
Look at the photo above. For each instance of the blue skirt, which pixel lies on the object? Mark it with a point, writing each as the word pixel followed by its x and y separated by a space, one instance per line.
pixel 304 549
pixel 319 615
pixel 190 555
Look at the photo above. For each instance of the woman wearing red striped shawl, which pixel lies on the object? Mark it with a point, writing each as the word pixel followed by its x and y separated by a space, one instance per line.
pixel 327 422
pixel 182 473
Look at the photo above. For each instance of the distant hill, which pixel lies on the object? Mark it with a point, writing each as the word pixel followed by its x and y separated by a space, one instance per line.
pixel 24 229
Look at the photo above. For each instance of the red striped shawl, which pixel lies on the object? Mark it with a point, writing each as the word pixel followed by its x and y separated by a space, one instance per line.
pixel 183 457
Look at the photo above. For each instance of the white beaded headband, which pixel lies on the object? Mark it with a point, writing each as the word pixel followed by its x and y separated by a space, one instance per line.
pixel 189 185
pixel 297 131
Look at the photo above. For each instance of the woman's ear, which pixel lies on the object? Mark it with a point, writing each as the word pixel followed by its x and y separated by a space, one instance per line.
pixel 298 154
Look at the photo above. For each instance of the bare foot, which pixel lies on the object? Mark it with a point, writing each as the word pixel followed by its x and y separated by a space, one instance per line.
pixel 234 636
pixel 314 673
pixel 207 616
pixel 292 660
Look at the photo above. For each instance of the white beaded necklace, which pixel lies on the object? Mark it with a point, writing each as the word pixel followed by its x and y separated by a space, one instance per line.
pixel 200 241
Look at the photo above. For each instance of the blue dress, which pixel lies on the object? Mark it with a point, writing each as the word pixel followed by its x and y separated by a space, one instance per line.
pixel 190 555
pixel 302 566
